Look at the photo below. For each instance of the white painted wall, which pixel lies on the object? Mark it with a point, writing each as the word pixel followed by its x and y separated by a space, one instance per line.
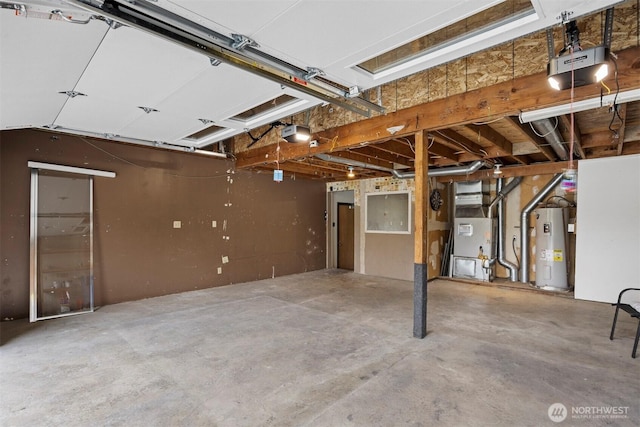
pixel 608 228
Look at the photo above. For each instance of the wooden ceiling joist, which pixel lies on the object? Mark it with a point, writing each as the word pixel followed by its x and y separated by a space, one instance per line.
pixel 480 105
pixel 527 132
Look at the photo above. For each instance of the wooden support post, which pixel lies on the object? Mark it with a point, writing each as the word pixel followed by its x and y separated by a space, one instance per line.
pixel 420 238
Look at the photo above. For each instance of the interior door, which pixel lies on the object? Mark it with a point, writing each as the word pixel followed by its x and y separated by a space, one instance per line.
pixel 345 235
pixel 61 244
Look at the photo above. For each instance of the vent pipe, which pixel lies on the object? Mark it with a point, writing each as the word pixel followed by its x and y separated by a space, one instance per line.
pixel 502 192
pixel 456 170
pixel 552 136
pixel 524 226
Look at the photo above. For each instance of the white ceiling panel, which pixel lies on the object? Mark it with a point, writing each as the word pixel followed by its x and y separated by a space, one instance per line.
pixel 220 92
pixel 317 33
pixel 94 113
pixel 36 62
pixel 135 68
pixel 231 16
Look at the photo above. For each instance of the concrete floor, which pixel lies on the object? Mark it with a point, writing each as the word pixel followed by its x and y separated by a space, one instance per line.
pixel 326 348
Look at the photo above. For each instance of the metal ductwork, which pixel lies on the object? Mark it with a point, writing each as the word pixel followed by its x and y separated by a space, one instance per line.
pixel 551 134
pixel 456 170
pixel 502 192
pixel 524 225
pixel 349 162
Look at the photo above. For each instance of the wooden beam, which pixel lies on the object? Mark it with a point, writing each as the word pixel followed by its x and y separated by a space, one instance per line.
pixel 525 130
pixel 395 146
pixel 489 135
pixel 503 99
pixel 443 151
pixel 420 237
pixel 598 139
pixel 357 156
pixel 462 143
pixel 371 151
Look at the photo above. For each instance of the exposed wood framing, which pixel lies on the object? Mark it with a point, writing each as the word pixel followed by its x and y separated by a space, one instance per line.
pixel 481 105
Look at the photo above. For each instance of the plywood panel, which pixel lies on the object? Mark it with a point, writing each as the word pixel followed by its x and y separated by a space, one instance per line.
pixel 413 90
pixel 437 82
pixel 490 67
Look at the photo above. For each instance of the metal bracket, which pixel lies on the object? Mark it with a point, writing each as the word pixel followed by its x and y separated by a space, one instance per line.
pixel 608 28
pixel 564 17
pixel 14 6
pixel 313 72
pixel 241 41
pixel 148 110
pixel 73 21
pixel 72 93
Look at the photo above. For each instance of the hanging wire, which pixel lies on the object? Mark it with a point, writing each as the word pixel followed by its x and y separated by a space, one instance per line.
pixel 555 126
pixel 221 175
pixel 488 122
pixel 616 112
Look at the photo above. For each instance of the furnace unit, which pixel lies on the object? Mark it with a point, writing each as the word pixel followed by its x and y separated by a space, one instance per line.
pixel 474 244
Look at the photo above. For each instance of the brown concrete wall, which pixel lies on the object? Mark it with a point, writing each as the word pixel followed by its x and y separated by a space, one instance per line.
pixel 263 228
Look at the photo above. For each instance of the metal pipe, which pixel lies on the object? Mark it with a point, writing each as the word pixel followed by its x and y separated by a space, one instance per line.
pixel 502 193
pixel 511 267
pixel 552 136
pixel 524 226
pixel 456 170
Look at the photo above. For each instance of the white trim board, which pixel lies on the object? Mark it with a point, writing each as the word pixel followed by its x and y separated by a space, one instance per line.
pixel 70 169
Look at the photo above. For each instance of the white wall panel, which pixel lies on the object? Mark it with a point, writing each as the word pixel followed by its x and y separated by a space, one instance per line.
pixel 608 227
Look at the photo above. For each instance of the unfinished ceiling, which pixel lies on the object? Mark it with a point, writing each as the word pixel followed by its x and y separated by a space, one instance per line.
pixel 71 66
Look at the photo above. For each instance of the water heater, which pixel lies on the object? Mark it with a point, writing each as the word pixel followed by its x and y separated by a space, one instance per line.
pixel 551 249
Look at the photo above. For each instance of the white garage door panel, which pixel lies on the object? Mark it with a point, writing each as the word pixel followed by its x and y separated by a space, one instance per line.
pixel 379 26
pixel 45 57
pixel 137 69
pixel 94 114
pixel 242 18
pixel 156 127
pixel 220 91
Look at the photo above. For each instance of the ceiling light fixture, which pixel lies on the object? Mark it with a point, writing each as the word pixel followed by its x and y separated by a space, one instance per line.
pixel 586 104
pixel 295 133
pixel 351 173
pixel 497 172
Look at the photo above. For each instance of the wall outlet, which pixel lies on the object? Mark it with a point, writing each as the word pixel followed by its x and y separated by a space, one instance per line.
pixel 177 224
pixel 214 224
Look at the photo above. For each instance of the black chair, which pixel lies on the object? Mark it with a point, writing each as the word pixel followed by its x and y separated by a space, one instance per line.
pixel 633 312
